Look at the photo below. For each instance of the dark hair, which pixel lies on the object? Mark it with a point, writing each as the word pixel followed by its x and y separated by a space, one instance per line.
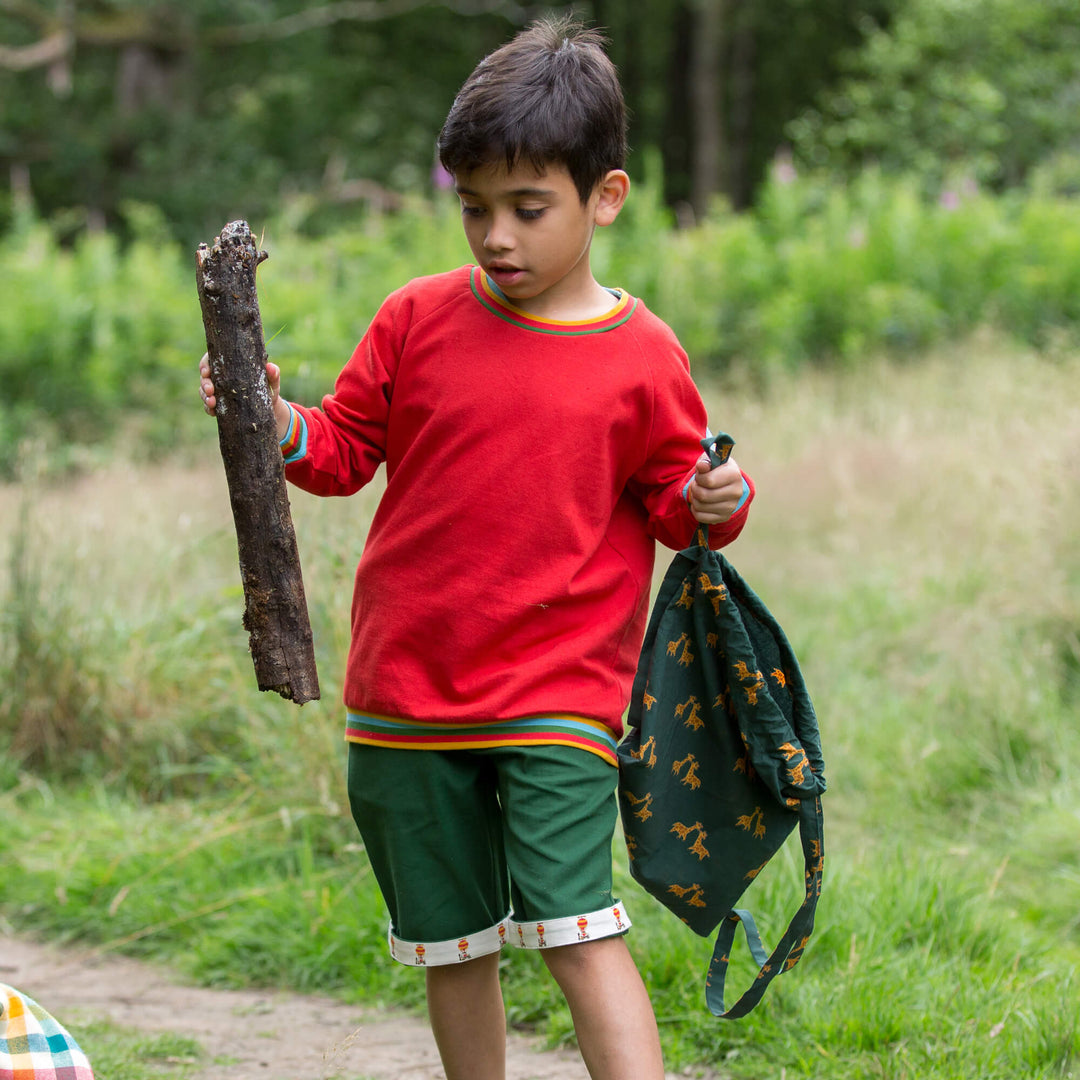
pixel 549 96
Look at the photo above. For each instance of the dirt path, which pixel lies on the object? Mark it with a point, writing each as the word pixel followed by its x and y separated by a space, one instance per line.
pixel 262 1035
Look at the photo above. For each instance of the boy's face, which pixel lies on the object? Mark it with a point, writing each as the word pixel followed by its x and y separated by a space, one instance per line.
pixel 530 232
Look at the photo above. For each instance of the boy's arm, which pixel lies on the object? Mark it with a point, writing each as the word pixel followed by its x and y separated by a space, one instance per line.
pixel 677 499
pixel 675 482
pixel 336 449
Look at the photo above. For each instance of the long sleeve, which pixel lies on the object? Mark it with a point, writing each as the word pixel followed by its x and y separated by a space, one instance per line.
pixel 339 446
pixel 678 424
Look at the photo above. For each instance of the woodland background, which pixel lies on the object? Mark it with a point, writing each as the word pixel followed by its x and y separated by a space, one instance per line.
pixel 204 108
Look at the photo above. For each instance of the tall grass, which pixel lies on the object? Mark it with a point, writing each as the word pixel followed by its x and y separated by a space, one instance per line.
pixel 913 533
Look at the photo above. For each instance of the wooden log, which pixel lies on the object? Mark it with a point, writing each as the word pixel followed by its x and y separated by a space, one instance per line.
pixel 275 611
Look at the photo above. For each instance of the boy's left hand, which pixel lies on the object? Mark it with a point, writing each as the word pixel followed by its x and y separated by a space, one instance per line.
pixel 714 493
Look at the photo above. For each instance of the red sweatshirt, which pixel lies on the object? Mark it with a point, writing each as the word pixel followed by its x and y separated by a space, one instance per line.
pixel 530 464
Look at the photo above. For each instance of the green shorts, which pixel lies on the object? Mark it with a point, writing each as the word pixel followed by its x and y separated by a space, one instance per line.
pixel 474 849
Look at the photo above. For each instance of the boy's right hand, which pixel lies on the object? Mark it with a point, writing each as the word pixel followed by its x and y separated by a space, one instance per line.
pixel 273 380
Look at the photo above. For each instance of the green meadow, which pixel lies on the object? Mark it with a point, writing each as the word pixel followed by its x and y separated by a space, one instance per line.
pixel 914 532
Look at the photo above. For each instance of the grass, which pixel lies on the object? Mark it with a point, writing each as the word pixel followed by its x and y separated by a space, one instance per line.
pixel 120 1053
pixel 914 534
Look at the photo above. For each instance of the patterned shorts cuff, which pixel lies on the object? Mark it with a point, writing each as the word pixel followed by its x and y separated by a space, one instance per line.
pixel 607 922
pixel 455 951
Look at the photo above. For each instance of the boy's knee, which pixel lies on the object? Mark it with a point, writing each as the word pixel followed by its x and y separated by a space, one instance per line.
pixel 587 959
pixel 467 973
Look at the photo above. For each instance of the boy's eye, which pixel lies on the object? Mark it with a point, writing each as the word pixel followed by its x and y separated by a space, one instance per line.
pixel 471 211
pixel 528 214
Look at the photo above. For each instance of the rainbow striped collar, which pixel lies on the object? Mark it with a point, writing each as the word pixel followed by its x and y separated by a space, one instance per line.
pixel 489 294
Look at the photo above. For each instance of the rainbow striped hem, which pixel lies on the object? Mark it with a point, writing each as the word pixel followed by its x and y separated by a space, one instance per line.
pixel 589 735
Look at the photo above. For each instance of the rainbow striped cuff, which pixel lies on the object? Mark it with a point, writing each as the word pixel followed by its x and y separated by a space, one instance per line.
pixel 294 445
pixel 742 499
pixel 577 731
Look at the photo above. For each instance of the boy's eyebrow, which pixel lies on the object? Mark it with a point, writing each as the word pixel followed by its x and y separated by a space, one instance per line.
pixel 517 193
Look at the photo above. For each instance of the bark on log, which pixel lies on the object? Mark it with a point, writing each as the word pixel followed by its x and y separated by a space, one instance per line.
pixel 275 612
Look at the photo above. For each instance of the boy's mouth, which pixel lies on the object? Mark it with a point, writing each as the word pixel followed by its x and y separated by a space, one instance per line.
pixel 504 275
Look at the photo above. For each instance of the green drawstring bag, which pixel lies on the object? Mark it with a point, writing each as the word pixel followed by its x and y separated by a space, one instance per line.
pixel 721 761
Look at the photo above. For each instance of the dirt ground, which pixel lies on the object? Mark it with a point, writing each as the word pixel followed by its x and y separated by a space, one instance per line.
pixel 260 1035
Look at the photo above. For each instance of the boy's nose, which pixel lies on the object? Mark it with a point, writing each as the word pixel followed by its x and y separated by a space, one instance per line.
pixel 499 236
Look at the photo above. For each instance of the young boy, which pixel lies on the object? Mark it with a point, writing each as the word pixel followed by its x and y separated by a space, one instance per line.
pixel 539 432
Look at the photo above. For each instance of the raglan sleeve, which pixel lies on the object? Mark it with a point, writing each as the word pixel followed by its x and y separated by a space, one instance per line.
pixel 335 449
pixel 662 482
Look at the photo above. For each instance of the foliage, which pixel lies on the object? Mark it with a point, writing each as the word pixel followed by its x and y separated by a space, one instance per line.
pixel 100 336
pixel 935 608
pixel 986 89
pixel 50 707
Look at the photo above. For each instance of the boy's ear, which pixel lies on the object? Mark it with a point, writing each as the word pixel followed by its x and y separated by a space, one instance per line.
pixel 613 187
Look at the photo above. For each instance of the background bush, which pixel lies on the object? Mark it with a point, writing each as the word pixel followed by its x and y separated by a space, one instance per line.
pixel 97 335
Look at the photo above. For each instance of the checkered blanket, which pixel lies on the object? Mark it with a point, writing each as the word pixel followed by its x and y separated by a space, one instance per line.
pixel 34 1045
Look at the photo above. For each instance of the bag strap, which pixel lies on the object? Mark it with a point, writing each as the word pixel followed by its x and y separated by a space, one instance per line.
pixel 718 447
pixel 790 948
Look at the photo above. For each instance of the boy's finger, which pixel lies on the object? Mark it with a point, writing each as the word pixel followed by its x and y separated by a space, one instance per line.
pixel 719 477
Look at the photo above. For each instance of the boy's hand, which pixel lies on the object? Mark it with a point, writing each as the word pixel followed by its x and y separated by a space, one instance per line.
pixel 714 493
pixel 273 380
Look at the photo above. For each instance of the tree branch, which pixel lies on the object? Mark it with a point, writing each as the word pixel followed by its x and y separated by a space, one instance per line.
pixel 143 27
pixel 314 18
pixel 275 612
pixel 41 54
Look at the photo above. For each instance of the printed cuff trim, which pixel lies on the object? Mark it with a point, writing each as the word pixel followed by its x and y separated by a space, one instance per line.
pixel 571 930
pixel 453 951
pixel 543 934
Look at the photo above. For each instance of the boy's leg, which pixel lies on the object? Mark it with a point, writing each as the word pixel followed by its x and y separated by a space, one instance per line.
pixel 559 812
pixel 613 1017
pixel 432 830
pixel 465 1008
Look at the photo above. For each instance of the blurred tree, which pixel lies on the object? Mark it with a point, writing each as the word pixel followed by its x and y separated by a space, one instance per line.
pixel 216 108
pixel 213 109
pixel 713 83
pixel 985 88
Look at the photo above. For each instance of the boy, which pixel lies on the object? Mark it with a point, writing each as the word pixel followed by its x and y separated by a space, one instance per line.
pixel 539 431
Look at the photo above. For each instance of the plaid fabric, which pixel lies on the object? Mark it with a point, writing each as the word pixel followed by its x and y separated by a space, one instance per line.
pixel 34 1045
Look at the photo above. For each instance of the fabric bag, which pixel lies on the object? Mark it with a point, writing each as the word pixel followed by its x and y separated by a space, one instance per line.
pixel 721 761
pixel 34 1045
